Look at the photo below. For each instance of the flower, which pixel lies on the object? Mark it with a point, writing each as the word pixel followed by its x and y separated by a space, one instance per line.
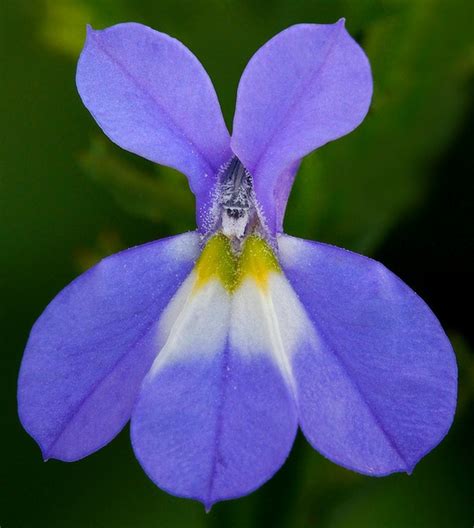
pixel 218 343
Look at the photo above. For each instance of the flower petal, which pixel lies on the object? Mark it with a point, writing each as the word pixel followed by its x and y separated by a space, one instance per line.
pixel 151 96
pixel 215 418
pixel 91 348
pixel 308 85
pixel 377 377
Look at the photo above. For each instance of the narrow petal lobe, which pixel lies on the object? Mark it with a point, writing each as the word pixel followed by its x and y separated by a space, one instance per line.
pixel 376 375
pixel 89 351
pixel 151 96
pixel 308 85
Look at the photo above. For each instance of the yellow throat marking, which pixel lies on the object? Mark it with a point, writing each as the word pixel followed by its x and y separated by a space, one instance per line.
pixel 218 261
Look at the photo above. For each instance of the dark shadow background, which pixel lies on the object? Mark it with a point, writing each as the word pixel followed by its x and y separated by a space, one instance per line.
pixel 400 189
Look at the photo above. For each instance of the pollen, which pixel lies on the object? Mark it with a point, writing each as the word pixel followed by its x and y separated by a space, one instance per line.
pixel 257 261
pixel 218 261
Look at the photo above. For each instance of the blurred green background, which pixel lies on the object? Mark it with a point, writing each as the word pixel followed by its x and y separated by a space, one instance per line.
pixel 400 188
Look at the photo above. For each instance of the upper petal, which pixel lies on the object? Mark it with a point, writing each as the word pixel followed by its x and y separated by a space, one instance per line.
pixel 308 85
pixel 89 351
pixel 151 96
pixel 376 375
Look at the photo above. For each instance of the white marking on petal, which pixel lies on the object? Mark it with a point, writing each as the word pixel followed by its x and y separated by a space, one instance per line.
pixel 256 320
pixel 289 312
pixel 269 321
pixel 174 309
pixel 194 324
pixel 290 250
pixel 184 247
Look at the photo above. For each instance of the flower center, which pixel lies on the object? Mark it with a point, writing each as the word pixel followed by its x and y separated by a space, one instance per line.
pixel 238 213
pixel 219 261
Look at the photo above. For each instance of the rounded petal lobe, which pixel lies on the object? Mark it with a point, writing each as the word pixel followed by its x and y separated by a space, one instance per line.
pixel 151 96
pixel 89 351
pixel 308 85
pixel 376 376
pixel 215 418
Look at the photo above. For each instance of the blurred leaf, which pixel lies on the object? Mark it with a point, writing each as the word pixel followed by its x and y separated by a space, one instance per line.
pixel 422 57
pixel 437 495
pixel 63 27
pixel 163 197
pixel 465 359
pixel 108 242
pixel 318 486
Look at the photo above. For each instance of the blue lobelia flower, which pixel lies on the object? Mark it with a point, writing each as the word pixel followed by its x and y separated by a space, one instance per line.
pixel 218 343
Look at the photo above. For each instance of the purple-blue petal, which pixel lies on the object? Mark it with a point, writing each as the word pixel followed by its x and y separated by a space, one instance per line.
pixel 308 85
pixel 214 428
pixel 151 96
pixel 377 382
pixel 89 351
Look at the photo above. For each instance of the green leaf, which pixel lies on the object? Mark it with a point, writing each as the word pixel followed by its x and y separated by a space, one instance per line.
pixel 157 194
